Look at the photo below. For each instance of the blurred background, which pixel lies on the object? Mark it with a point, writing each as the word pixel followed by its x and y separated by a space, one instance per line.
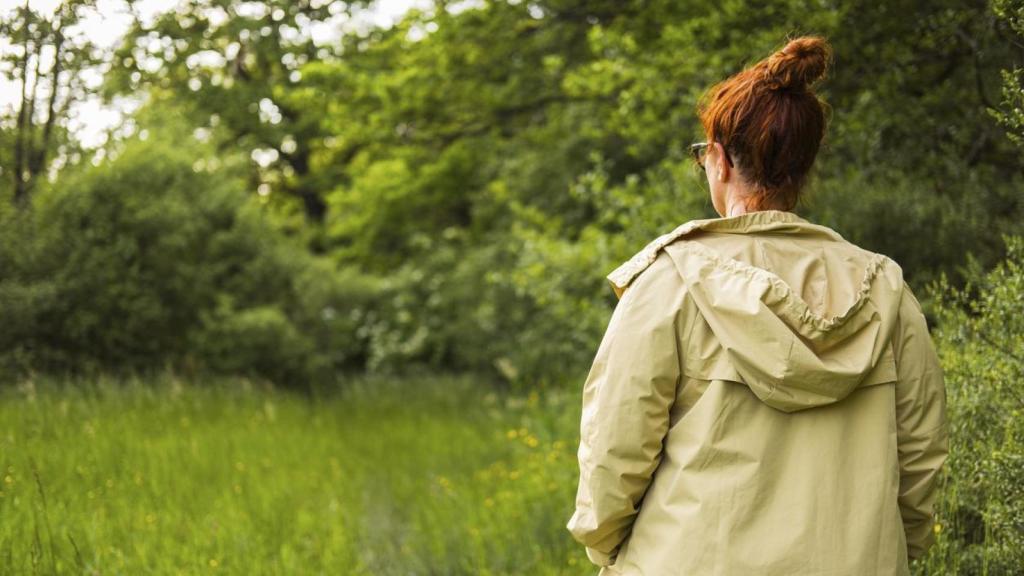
pixel 295 287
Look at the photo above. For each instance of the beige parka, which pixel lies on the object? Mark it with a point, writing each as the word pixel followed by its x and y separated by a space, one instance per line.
pixel 766 401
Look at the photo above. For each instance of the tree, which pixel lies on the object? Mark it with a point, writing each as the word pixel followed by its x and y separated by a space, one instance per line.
pixel 542 142
pixel 48 61
pixel 235 62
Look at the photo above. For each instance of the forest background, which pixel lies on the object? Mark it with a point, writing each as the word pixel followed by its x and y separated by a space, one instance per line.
pixel 415 220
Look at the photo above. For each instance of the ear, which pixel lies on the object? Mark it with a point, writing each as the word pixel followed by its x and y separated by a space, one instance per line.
pixel 723 166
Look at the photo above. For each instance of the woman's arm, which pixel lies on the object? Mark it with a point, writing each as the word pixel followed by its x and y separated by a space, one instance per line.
pixel 626 401
pixel 922 431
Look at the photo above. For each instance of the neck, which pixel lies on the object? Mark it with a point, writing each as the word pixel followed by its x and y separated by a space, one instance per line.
pixel 737 204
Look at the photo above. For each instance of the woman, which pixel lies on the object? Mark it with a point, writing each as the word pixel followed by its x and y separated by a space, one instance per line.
pixel 767 399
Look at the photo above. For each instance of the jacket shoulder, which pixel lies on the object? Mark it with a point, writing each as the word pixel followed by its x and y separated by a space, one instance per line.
pixel 626 273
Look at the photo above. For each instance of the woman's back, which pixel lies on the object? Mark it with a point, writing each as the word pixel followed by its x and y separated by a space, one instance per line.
pixel 766 401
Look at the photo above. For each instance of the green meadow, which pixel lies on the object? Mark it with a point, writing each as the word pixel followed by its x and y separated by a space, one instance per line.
pixel 435 476
pixel 280 197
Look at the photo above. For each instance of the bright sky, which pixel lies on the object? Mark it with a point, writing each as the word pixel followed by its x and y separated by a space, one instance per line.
pixel 105 26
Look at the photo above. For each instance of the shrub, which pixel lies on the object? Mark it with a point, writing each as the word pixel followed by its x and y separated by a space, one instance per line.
pixel 980 335
pixel 156 258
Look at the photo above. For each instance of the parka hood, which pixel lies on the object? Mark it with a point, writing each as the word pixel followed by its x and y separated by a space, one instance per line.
pixel 792 356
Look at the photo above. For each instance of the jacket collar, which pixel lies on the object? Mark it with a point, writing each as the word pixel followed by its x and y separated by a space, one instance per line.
pixel 776 221
pixel 756 218
pixel 760 220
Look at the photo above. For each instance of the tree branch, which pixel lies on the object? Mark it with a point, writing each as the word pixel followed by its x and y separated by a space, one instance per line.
pixel 19 144
pixel 978 80
pixel 39 163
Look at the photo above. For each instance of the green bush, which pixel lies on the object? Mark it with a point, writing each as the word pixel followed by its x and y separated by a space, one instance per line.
pixel 980 335
pixel 928 232
pixel 260 340
pixel 160 257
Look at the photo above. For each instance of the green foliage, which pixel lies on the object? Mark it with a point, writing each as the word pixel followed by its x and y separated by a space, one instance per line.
pixel 1011 113
pixel 928 231
pixel 156 257
pixel 261 340
pixel 237 64
pixel 529 148
pixel 391 208
pixel 465 180
pixel 475 170
pixel 981 341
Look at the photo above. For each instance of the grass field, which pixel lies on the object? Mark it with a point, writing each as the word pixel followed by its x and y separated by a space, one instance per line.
pixel 440 476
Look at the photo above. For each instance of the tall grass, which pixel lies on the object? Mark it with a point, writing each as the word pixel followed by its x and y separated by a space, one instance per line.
pixel 438 476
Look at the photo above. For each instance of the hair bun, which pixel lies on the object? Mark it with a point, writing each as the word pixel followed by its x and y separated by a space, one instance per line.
pixel 802 62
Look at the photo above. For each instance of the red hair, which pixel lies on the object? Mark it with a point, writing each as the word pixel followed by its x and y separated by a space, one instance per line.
pixel 769 120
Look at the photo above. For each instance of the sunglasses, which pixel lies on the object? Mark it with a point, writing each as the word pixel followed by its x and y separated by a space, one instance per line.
pixel 699 150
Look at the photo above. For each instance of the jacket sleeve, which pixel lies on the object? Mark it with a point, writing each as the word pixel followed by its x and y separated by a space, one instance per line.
pixel 922 430
pixel 626 401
